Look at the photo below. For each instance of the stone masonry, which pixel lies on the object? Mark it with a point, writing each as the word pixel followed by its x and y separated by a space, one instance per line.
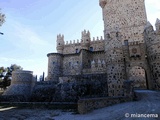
pixel 127 56
pixel 21 84
pixel 129 50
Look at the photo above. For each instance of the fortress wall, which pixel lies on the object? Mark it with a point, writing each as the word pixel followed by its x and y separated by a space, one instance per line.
pixel 54 66
pixel 71 64
pixel 21 83
pixel 75 47
pixel 71 48
pixel 152 39
pixel 97 45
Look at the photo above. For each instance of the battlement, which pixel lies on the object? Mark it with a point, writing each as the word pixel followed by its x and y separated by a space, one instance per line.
pixel 98 63
pixel 134 43
pixel 98 66
pixel 72 42
pixel 84 33
pixel 60 37
pixel 75 42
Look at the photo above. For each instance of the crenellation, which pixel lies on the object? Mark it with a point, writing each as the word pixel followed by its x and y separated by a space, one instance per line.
pixel 75 46
pixel 134 43
pixel 77 41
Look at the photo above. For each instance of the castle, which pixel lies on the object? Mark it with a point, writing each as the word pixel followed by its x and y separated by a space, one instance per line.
pixel 130 50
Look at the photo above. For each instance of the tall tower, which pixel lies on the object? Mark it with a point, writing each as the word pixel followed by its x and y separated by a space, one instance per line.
pixel 85 39
pixel 129 16
pixel 123 20
pixel 60 43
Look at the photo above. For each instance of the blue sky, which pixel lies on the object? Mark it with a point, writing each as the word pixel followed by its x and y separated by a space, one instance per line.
pixel 31 28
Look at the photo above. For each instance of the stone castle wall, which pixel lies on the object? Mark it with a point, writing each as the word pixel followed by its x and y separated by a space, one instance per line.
pixel 153 49
pixel 125 53
pixel 130 50
pixel 128 16
pixel 75 64
pixel 54 66
pixel 75 47
pixel 21 84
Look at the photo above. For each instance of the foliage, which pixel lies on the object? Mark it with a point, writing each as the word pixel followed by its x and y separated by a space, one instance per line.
pixel 2 18
pixel 6 75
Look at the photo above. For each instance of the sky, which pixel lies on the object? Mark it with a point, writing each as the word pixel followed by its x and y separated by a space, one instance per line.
pixel 31 28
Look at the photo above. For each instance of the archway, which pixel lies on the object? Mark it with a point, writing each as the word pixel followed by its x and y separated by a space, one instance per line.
pixel 138 75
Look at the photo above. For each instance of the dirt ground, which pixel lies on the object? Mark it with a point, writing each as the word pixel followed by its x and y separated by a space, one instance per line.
pixel 148 104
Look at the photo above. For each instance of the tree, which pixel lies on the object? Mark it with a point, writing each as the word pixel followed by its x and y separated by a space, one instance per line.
pixel 6 75
pixel 2 18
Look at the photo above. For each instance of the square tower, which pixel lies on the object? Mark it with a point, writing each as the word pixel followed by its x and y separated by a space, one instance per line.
pixel 126 16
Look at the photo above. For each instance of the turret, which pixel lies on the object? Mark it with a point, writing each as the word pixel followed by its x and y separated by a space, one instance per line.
pixel 55 61
pixel 85 39
pixel 149 34
pixel 157 26
pixel 60 43
pixel 102 3
pixel 149 28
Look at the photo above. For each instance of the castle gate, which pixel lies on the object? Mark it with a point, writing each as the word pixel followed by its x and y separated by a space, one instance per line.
pixel 138 75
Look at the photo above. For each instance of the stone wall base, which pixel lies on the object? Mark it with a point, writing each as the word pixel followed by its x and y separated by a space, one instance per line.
pixel 87 105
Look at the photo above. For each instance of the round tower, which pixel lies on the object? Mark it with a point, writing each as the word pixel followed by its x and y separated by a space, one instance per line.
pixel 21 84
pixel 121 23
pixel 60 43
pixel 85 40
pixel 152 39
pixel 55 62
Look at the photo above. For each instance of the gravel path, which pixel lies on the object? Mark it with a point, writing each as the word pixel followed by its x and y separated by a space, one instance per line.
pixel 148 104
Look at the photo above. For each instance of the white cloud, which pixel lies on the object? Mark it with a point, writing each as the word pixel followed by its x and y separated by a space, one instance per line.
pixel 13 60
pixel 154 3
pixel 37 65
pixel 27 37
pixel 153 10
pixel 28 48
